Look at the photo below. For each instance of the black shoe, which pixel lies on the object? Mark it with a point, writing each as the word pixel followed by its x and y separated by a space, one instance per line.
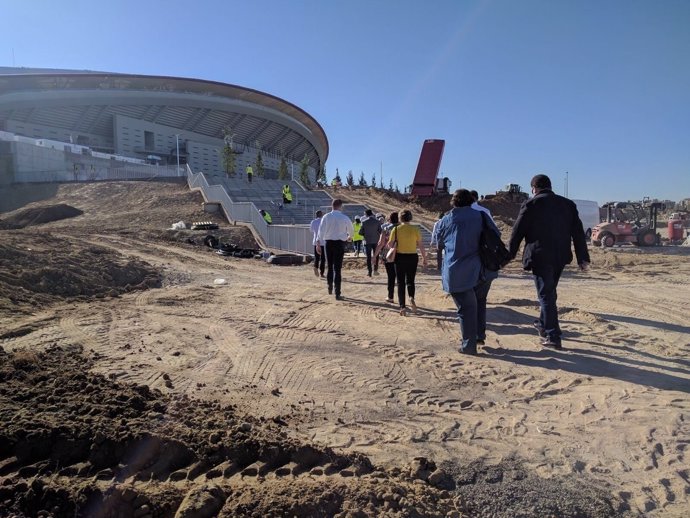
pixel 480 342
pixel 330 290
pixel 468 351
pixel 539 329
pixel 339 297
pixel 547 342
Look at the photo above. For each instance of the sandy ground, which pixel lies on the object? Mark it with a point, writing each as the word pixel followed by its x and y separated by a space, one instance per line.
pixel 134 384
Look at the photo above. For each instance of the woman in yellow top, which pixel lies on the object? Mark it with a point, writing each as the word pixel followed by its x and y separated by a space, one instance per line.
pixel 407 239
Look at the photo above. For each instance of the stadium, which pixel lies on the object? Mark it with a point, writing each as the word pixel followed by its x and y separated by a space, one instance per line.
pixel 155 120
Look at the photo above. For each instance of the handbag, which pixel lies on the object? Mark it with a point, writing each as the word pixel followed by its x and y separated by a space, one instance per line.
pixel 492 251
pixel 390 255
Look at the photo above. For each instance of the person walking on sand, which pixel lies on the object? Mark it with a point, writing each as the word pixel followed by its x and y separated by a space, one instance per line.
pixel 548 223
pixel 407 239
pixel 335 230
pixel 381 251
pixel 371 230
pixel 435 243
pixel 319 256
pixel 486 277
pixel 459 231
pixel 357 238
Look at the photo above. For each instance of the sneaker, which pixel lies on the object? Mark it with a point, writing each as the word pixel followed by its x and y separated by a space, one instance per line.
pixel 403 312
pixel 339 297
pixel 468 351
pixel 413 305
pixel 480 342
pixel 376 272
pixel 552 344
pixel 390 301
pixel 539 329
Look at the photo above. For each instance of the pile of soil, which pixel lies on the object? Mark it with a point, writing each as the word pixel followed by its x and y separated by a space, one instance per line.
pixel 37 269
pixel 89 446
pixel 38 215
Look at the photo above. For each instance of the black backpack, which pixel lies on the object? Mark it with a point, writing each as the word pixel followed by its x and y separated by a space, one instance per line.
pixel 492 252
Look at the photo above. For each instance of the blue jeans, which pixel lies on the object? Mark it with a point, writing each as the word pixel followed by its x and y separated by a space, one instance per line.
pixel 466 302
pixel 481 291
pixel 546 280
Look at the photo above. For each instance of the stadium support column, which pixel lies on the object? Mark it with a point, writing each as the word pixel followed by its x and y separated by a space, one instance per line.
pixel 177 153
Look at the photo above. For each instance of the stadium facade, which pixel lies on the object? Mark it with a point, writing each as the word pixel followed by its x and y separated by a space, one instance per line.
pixel 150 117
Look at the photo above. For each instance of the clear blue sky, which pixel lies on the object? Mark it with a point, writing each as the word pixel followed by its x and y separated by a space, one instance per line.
pixel 600 89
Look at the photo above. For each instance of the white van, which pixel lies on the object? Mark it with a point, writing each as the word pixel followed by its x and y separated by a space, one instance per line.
pixel 589 215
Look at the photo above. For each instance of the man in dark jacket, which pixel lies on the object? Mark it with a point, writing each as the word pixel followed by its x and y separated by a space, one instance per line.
pixel 548 222
pixel 370 230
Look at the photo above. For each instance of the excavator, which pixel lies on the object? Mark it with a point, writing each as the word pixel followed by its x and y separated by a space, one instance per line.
pixel 628 222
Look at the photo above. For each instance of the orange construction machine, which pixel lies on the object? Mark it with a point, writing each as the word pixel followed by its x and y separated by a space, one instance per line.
pixel 628 222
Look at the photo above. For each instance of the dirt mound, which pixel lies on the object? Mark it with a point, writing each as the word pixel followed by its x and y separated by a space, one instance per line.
pixel 88 446
pixel 39 215
pixel 426 209
pixel 38 268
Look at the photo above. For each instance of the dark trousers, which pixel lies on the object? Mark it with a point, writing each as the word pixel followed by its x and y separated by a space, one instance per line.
pixel 390 272
pixel 439 257
pixel 466 302
pixel 320 260
pixel 335 251
pixel 481 292
pixel 405 272
pixel 546 280
pixel 369 251
pixel 249 178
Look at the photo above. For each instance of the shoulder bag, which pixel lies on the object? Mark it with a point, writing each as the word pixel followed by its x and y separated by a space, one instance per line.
pixel 492 251
pixel 390 255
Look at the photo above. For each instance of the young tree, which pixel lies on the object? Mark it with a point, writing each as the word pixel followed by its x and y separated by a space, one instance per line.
pixel 259 160
pixel 397 189
pixel 381 184
pixel 304 170
pixel 350 179
pixel 362 182
pixel 283 169
pixel 373 179
pixel 228 152
pixel 337 178
pixel 321 176
pixel 390 185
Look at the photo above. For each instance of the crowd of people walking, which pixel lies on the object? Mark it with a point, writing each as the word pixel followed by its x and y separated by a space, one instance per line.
pixel 547 223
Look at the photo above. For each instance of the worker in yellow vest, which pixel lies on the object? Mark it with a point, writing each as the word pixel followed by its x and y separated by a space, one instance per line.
pixel 357 237
pixel 287 194
pixel 250 173
pixel 267 217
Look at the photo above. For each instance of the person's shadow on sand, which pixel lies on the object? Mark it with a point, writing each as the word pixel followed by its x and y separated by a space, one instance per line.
pixel 596 363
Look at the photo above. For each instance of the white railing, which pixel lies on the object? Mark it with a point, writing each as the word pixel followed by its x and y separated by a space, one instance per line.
pixel 282 237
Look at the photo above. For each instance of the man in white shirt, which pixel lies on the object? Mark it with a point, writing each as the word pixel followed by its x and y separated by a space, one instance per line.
pixel 335 230
pixel 475 205
pixel 319 256
pixel 436 244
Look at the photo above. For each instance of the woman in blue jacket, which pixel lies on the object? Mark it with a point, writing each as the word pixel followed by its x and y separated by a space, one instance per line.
pixel 459 232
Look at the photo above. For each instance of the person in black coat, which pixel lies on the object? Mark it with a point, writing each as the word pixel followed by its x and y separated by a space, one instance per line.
pixel 548 222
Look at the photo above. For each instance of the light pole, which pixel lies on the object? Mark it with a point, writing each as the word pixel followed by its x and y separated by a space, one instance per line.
pixel 177 152
pixel 566 184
